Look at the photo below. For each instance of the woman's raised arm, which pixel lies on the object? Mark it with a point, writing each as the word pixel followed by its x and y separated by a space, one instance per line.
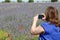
pixel 34 29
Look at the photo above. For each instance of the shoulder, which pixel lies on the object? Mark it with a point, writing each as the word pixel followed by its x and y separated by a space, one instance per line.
pixel 44 23
pixel 46 26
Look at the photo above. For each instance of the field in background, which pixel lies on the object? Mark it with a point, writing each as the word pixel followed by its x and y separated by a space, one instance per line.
pixel 16 18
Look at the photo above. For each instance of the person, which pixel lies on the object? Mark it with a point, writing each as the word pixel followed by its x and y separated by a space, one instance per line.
pixel 49 29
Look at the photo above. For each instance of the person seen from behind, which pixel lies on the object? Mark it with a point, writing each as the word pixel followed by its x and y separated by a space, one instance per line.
pixel 49 29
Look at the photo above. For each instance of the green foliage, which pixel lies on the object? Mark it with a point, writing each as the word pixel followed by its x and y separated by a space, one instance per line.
pixel 31 0
pixel 54 0
pixel 3 35
pixel 19 0
pixel 25 37
pixel 7 0
pixel 9 18
pixel 34 38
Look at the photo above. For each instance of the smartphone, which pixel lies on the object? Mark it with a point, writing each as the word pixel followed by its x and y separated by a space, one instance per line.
pixel 40 16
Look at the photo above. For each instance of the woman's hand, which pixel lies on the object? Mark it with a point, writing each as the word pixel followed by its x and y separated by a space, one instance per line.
pixel 36 18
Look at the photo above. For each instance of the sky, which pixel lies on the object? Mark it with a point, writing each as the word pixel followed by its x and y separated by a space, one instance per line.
pixel 27 0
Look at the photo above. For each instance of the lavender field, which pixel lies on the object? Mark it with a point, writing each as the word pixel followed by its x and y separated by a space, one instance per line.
pixel 16 18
